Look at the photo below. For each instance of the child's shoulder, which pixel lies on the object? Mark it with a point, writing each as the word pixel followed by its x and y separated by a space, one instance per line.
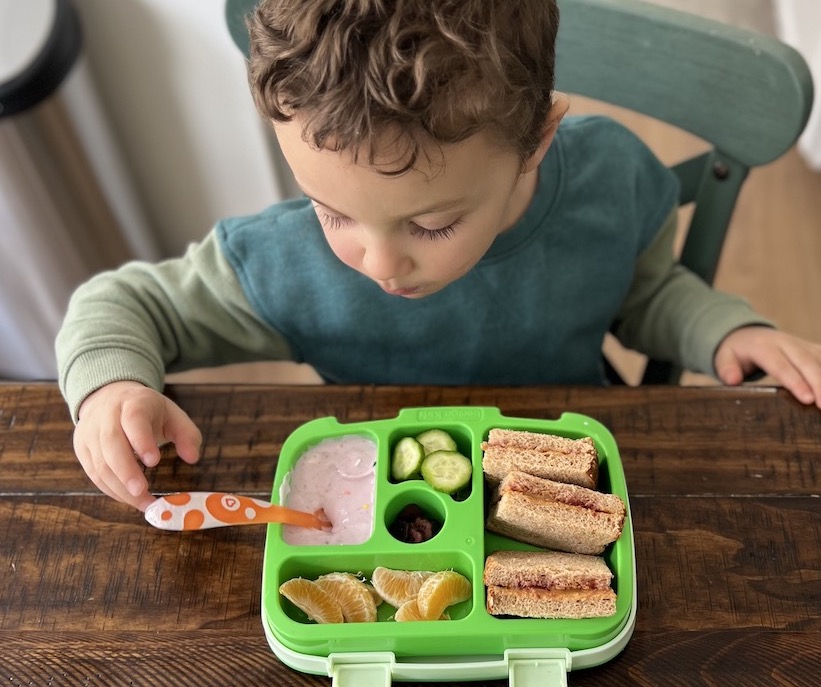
pixel 610 152
pixel 282 215
pixel 281 232
pixel 600 132
pixel 605 163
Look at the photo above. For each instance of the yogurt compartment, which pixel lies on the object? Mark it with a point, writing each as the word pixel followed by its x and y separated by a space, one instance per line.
pixel 337 475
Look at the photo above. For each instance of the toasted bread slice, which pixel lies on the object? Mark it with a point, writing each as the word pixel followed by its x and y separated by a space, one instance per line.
pixel 531 602
pixel 574 461
pixel 548 584
pixel 546 570
pixel 565 517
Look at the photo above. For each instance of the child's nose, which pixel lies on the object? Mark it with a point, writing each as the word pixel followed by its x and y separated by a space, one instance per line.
pixel 384 261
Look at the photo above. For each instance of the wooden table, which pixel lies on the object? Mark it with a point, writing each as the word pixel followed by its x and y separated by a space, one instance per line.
pixel 724 492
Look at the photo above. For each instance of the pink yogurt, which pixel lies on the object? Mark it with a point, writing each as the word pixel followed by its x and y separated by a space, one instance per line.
pixel 336 475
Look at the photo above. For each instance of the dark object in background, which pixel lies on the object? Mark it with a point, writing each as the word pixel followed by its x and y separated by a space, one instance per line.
pixel 413 526
pixel 47 70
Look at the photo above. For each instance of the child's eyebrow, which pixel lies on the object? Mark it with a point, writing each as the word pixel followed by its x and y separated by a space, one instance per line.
pixel 438 207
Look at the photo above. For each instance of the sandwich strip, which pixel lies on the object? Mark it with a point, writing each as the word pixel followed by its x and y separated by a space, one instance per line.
pixel 548 584
pixel 574 461
pixel 554 515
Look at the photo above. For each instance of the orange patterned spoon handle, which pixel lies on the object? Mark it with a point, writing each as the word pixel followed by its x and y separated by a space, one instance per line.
pixel 199 510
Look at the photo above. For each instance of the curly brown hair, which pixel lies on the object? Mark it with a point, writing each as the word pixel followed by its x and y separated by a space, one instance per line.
pixel 420 71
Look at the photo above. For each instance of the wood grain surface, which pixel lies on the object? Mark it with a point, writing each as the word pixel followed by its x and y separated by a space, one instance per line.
pixel 725 505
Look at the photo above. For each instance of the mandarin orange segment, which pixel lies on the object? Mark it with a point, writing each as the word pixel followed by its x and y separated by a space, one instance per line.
pixel 398 586
pixel 351 594
pixel 409 611
pixel 440 590
pixel 374 594
pixel 312 600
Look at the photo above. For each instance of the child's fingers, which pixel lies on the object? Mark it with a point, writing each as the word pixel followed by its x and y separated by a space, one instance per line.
pixel 805 381
pixel 94 462
pixel 90 468
pixel 118 466
pixel 141 426
pixel 782 366
pixel 730 373
pixel 729 368
pixel 180 430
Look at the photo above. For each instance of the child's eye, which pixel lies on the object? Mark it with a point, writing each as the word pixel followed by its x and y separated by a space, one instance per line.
pixel 435 234
pixel 331 221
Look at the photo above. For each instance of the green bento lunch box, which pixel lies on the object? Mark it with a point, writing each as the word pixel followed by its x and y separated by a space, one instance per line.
pixel 472 644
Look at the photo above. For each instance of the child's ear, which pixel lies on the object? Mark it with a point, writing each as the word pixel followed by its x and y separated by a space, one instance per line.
pixel 558 109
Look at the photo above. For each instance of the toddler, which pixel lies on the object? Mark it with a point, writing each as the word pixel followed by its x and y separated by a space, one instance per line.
pixel 456 229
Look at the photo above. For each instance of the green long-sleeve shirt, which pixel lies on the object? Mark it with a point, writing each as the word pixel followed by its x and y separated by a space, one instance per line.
pixel 594 248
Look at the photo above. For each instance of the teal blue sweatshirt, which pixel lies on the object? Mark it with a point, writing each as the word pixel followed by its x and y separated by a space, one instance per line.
pixel 592 251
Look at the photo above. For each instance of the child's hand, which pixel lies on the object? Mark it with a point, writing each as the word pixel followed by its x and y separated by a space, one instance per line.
pixel 124 422
pixel 792 362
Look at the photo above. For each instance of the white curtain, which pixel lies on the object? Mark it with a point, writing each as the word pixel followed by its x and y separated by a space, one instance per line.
pixel 65 214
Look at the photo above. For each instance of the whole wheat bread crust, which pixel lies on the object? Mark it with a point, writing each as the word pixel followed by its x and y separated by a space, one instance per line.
pixel 574 461
pixel 584 521
pixel 541 603
pixel 547 570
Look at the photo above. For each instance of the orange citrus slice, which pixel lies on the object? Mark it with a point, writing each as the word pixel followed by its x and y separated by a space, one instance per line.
pixel 314 601
pixel 440 590
pixel 409 611
pixel 374 594
pixel 351 594
pixel 398 586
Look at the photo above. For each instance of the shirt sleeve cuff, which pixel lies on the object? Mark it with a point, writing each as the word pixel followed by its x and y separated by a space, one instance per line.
pixel 92 370
pixel 710 327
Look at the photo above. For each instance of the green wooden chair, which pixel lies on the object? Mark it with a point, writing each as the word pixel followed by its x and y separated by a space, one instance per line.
pixel 745 94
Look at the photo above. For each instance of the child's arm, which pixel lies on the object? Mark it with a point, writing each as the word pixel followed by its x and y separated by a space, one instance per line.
pixel 671 314
pixel 123 329
pixel 793 362
pixel 143 320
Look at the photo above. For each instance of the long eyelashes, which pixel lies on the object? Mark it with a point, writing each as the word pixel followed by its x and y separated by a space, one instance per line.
pixel 331 221
pixel 435 234
pixel 337 222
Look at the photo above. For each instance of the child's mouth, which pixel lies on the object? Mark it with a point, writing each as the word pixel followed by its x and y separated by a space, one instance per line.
pixel 402 292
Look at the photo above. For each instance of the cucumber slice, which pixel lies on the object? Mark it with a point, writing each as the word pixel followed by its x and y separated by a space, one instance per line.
pixel 407 459
pixel 436 440
pixel 446 471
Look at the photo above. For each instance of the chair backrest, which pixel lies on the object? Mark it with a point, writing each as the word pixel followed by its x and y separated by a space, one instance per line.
pixel 235 13
pixel 745 94
pixel 748 96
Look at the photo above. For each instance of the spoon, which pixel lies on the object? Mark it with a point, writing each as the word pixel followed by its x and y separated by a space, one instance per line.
pixel 199 510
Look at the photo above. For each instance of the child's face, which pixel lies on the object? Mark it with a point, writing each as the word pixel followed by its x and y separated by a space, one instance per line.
pixel 416 233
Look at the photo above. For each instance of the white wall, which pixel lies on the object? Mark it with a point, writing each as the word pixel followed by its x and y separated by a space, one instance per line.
pixel 173 85
pixel 799 25
pixel 749 14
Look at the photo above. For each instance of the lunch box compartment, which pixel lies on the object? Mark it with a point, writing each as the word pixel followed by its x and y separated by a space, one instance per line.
pixel 431 503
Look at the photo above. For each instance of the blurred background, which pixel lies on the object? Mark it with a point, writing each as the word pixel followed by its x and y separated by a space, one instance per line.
pixel 127 130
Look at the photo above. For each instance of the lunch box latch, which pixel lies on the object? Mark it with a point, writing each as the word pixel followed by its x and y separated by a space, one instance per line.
pixel 538 667
pixel 361 669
